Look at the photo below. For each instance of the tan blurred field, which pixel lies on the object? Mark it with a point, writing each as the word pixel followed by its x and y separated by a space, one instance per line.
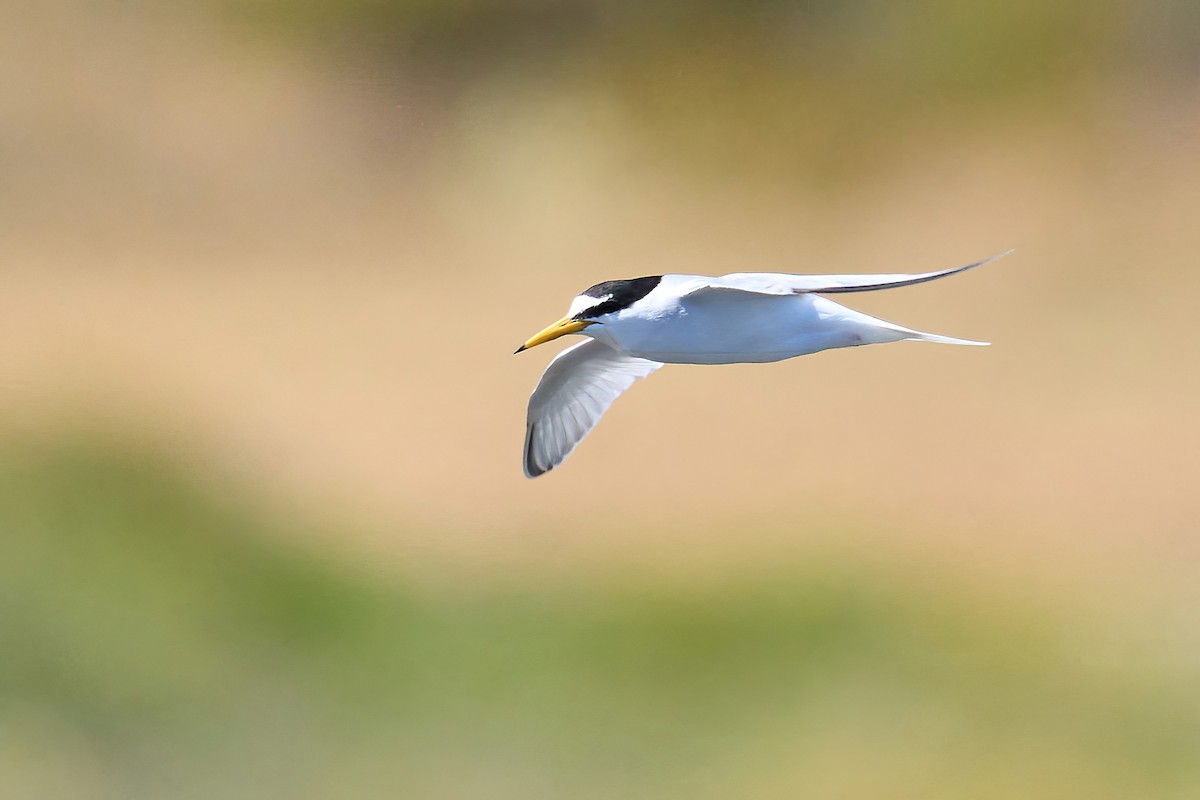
pixel 224 265
pixel 299 272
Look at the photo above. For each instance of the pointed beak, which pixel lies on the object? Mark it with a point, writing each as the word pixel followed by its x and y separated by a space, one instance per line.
pixel 563 327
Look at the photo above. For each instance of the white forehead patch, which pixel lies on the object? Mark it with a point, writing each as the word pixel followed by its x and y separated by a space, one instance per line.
pixel 584 302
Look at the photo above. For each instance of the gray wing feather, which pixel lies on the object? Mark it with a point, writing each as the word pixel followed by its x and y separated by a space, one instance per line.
pixel 573 394
pixel 781 284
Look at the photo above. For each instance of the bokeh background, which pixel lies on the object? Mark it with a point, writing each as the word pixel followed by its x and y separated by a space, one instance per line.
pixel 263 527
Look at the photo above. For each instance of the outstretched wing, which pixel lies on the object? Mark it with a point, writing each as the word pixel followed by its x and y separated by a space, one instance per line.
pixel 574 392
pixel 773 283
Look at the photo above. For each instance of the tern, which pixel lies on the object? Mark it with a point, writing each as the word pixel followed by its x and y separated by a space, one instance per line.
pixel 635 326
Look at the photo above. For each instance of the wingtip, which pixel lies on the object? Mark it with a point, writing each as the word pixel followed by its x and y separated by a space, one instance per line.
pixel 530 468
pixel 534 471
pixel 987 260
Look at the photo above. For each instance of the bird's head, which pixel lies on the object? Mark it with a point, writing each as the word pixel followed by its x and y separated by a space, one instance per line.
pixel 598 304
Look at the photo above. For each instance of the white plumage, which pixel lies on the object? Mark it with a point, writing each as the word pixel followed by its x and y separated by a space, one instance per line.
pixel 638 325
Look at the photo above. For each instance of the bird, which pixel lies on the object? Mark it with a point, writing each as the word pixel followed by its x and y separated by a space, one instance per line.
pixel 634 326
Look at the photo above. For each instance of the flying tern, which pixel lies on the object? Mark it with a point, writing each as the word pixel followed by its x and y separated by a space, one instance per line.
pixel 635 326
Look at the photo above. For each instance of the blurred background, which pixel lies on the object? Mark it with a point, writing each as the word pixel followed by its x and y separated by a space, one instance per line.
pixel 263 527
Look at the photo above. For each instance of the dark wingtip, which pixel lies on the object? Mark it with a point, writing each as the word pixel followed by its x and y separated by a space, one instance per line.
pixel 532 470
pixel 520 349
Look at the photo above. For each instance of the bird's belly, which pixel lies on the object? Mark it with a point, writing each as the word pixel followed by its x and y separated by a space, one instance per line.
pixel 752 330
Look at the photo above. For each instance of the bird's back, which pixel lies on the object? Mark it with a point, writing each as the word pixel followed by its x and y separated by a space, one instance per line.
pixel 730 326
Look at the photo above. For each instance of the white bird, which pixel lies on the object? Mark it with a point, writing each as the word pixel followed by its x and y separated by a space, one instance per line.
pixel 637 325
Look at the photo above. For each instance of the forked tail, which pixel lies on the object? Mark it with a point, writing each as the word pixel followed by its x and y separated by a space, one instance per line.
pixel 918 336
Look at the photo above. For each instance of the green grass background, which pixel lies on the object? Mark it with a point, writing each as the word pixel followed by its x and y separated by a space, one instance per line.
pixel 160 641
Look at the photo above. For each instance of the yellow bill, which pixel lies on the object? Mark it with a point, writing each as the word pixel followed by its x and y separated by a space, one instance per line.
pixel 563 327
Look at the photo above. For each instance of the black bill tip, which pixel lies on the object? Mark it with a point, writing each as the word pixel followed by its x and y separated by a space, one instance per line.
pixel 519 349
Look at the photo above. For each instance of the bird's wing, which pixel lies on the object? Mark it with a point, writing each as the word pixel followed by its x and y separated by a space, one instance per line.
pixel 781 284
pixel 574 392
